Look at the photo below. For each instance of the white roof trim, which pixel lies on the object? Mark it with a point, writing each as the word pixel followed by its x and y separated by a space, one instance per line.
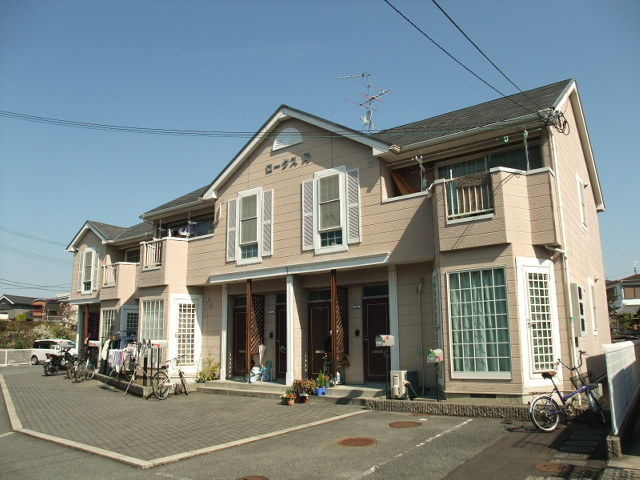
pixel 87 226
pixel 4 297
pixel 573 96
pixel 301 268
pixel 281 114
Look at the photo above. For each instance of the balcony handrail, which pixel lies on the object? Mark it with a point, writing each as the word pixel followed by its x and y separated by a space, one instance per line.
pixel 151 254
pixel 109 275
pixel 469 195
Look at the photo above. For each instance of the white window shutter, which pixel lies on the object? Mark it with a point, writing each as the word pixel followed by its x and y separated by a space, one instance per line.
pixel 232 214
pixel 267 223
pixel 353 206
pixel 307 215
pixel 80 270
pixel 94 271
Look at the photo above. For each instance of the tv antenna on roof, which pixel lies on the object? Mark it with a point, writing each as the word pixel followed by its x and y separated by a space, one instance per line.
pixel 368 124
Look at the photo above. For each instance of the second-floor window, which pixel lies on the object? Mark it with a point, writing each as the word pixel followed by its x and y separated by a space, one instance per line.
pixel 88 271
pixel 331 210
pixel 250 226
pixel 132 255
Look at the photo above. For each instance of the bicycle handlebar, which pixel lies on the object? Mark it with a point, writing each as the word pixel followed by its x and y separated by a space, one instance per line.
pixel 581 354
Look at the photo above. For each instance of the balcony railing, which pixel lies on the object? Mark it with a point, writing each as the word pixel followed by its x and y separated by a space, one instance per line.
pixel 152 254
pixel 469 196
pixel 109 275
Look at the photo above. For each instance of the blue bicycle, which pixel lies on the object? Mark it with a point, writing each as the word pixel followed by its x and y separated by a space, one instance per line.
pixel 545 412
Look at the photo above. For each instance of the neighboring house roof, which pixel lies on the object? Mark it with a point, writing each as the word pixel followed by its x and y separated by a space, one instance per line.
pixel 631 278
pixel 141 229
pixel 188 198
pixel 110 232
pixel 19 299
pixel 481 115
pixel 627 309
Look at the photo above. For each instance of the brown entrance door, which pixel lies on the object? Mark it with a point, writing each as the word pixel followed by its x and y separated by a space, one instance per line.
pixel 281 340
pixel 375 321
pixel 93 325
pixel 319 345
pixel 239 341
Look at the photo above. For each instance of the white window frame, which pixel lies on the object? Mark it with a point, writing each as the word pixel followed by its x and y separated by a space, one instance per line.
pixel 259 199
pixel 593 306
pixel 524 265
pixel 83 280
pixel 343 247
pixel 143 302
pixel 477 375
pixel 112 315
pixel 126 309
pixel 582 203
pixel 175 301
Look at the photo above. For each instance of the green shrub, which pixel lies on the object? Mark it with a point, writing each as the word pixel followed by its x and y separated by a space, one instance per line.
pixel 209 369
pixel 21 317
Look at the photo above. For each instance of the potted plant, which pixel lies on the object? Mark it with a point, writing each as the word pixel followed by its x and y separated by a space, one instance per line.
pixel 321 385
pixel 302 389
pixel 289 397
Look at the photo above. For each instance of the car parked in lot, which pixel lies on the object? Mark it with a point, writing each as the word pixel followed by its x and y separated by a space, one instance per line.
pixel 48 345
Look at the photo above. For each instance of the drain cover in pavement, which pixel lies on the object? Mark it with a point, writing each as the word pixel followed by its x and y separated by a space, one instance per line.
pixel 418 414
pixel 252 477
pixel 555 468
pixel 404 424
pixel 357 442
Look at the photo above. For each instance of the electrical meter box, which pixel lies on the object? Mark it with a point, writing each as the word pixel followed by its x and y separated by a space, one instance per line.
pixel 435 355
pixel 385 340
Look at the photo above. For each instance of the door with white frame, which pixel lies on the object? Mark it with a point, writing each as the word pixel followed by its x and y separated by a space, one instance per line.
pixel 129 322
pixel 185 340
pixel 539 332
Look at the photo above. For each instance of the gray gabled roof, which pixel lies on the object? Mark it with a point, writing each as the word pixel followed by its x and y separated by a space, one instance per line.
pixel 106 230
pixel 183 200
pixel 481 115
pixel 138 230
pixel 19 299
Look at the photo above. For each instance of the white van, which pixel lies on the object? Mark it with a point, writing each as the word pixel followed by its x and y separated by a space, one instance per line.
pixel 48 345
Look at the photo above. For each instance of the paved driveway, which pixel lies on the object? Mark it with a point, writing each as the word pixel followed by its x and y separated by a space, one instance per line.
pixel 457 447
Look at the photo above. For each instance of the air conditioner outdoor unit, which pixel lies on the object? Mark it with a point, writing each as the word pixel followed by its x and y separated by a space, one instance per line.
pixel 398 381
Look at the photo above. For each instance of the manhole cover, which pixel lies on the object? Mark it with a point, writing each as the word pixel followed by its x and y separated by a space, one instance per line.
pixel 357 442
pixel 404 424
pixel 559 469
pixel 252 477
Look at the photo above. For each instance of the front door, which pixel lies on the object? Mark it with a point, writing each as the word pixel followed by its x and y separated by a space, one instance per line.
pixel 239 341
pixel 93 325
pixel 281 340
pixel 375 321
pixel 319 342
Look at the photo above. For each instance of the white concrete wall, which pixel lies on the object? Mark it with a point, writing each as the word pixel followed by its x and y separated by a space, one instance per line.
pixel 623 376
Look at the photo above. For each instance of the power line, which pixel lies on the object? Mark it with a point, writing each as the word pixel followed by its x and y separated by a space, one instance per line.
pixel 13 287
pixel 229 133
pixel 32 255
pixel 32 237
pixel 446 52
pixel 18 282
pixel 475 45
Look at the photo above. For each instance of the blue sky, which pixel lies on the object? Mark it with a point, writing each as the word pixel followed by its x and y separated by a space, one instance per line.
pixel 222 66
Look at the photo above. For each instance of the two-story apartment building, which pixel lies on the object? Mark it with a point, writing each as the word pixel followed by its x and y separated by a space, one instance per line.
pixel 475 232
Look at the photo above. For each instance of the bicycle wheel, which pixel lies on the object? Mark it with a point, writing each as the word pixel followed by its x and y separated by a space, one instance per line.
pixel 49 369
pixel 78 375
pixel 71 370
pixel 545 413
pixel 183 381
pixel 89 372
pixel 160 383
pixel 597 409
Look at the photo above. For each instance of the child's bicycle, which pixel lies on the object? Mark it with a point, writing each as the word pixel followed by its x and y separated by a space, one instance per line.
pixel 545 412
pixel 162 383
pixel 84 370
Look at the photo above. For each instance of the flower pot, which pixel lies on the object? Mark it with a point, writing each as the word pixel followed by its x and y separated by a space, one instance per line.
pixel 291 401
pixel 303 398
pixel 321 391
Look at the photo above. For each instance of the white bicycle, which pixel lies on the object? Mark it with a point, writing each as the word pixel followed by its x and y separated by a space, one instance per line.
pixel 162 383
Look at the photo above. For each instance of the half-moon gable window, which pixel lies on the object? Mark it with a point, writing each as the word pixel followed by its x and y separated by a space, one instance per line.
pixel 286 138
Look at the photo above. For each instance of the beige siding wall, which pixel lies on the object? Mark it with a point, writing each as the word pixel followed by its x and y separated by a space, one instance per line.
pixel 402 228
pixel 582 244
pixel 88 240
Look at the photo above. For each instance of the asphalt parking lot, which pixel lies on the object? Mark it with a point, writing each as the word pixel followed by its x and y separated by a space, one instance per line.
pixel 438 447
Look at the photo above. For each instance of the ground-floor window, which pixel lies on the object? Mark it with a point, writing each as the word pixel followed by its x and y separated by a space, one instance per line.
pixel 108 323
pixel 186 332
pixel 479 321
pixel 540 321
pixel 152 320
pixel 131 323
